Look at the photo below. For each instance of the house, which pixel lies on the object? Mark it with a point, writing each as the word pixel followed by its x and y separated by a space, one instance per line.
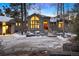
pixel 6 25
pixel 53 23
pixel 37 22
pixel 58 23
pixel 41 23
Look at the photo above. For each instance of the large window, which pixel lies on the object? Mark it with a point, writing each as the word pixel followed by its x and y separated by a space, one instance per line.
pixel 35 22
pixel 18 24
pixel 4 28
pixel 60 24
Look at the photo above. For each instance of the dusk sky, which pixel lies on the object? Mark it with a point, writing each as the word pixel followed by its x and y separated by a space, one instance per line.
pixel 46 8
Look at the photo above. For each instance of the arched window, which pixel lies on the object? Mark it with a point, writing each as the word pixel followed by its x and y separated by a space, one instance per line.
pixel 35 22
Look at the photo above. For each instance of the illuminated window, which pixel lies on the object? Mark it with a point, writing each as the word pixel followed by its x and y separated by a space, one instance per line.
pixel 32 22
pixel 60 24
pixel 4 23
pixel 31 26
pixel 36 18
pixel 38 26
pixel 4 28
pixel 16 24
pixel 45 22
pixel 32 18
pixel 19 24
pixel 35 22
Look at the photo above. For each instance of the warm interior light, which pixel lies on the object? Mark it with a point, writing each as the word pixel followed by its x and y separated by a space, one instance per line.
pixel 4 23
pixel 31 26
pixel 60 24
pixel 38 26
pixel 45 24
pixel 32 18
pixel 16 24
pixel 4 28
pixel 36 18
pixel 35 22
pixel 19 24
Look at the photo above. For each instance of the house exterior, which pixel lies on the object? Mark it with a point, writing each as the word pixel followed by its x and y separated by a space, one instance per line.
pixel 37 22
pixel 61 24
pixel 58 25
pixel 6 25
pixel 43 23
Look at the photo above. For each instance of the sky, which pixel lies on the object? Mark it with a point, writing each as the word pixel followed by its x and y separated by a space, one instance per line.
pixel 48 9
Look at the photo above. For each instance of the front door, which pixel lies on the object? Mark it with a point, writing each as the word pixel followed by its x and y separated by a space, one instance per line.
pixel 45 25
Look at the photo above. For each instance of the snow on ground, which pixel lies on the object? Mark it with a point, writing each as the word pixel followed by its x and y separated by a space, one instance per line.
pixel 21 41
pixel 63 39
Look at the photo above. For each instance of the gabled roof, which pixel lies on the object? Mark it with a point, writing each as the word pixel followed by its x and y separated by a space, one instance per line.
pixel 38 15
pixel 53 19
pixel 5 19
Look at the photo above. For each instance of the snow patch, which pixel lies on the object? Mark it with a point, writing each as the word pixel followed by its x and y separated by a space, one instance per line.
pixel 21 41
pixel 18 35
pixel 62 38
pixel 5 19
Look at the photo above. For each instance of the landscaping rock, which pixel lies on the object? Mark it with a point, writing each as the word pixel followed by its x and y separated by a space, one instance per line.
pixel 71 47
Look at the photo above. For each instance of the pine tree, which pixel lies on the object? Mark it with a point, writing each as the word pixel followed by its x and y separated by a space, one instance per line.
pixel 76 20
pixel 1 13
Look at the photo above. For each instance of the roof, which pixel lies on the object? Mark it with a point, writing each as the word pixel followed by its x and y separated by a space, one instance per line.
pixel 5 19
pixel 39 15
pixel 52 19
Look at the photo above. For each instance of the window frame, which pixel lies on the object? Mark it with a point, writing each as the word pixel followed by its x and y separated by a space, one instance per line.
pixel 35 22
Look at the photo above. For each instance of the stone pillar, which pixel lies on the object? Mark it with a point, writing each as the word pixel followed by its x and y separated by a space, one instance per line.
pixel 12 29
pixel 41 25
